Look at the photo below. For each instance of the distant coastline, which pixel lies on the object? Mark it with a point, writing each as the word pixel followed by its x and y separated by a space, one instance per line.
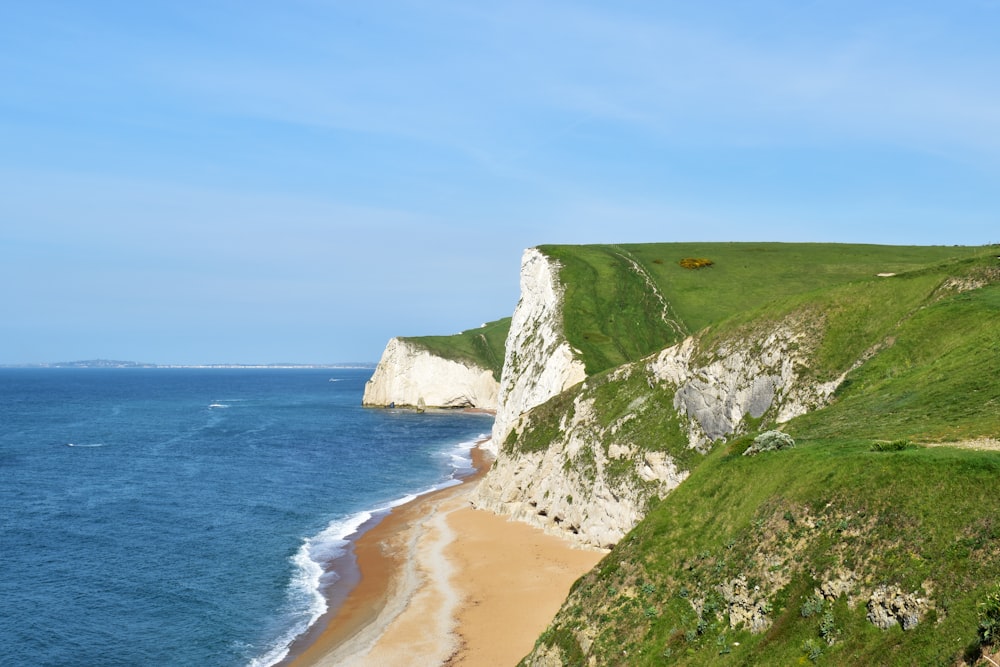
pixel 109 363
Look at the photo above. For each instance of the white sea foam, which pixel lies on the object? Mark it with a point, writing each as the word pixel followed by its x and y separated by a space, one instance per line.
pixel 95 444
pixel 461 457
pixel 310 577
pixel 313 557
pixel 217 405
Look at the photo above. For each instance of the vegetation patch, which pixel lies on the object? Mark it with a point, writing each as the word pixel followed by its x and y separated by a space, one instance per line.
pixel 894 446
pixel 695 262
pixel 989 618
pixel 812 533
pixel 629 411
pixel 483 346
pixel 787 559
pixel 769 441
pixel 543 424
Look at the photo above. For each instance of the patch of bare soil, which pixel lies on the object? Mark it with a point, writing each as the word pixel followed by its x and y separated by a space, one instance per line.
pixel 987 444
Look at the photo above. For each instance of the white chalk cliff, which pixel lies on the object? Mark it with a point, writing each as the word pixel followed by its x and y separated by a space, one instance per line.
pixel 410 375
pixel 538 361
pixel 604 453
pixel 591 484
pixel 594 480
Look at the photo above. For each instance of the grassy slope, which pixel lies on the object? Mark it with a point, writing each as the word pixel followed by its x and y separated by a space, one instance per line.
pixel 613 317
pixel 905 518
pixel 908 518
pixel 483 345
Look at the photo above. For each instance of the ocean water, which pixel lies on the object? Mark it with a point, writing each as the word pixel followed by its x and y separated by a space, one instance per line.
pixel 184 516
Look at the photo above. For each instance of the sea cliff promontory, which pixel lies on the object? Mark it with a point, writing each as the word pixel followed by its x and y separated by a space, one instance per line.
pixel 634 377
pixel 458 371
pixel 411 376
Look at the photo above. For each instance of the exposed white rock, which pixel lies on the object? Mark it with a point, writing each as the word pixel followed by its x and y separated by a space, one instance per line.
pixel 410 375
pixel 740 379
pixel 538 362
pixel 569 490
pixel 747 608
pixel 889 606
pixel 593 485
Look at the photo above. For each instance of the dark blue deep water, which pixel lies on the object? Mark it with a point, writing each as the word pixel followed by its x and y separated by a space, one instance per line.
pixel 178 516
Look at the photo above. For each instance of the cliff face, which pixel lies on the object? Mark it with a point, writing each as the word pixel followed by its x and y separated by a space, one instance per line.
pixel 746 541
pixel 409 375
pixel 592 482
pixel 752 375
pixel 587 464
pixel 538 361
pixel 585 458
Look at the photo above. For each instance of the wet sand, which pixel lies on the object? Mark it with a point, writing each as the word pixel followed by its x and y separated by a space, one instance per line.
pixel 443 583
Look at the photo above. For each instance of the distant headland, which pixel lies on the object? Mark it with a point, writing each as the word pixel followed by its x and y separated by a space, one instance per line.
pixel 111 363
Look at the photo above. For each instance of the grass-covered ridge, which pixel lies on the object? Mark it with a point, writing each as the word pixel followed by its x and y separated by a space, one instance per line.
pixel 830 515
pixel 780 559
pixel 483 346
pixel 623 302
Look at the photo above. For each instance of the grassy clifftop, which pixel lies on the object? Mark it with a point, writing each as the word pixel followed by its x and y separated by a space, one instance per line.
pixel 876 516
pixel 776 560
pixel 483 346
pixel 623 302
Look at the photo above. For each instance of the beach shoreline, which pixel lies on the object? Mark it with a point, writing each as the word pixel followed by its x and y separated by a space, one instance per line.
pixel 440 582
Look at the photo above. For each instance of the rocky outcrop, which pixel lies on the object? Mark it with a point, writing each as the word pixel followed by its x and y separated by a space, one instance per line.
pixel 717 388
pixel 409 375
pixel 747 607
pixel 538 361
pixel 605 455
pixel 889 606
pixel 591 484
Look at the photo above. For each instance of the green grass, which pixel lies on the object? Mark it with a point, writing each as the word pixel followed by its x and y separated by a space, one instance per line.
pixel 609 313
pixel 483 346
pixel 612 315
pixel 858 494
pixel 925 517
pixel 937 381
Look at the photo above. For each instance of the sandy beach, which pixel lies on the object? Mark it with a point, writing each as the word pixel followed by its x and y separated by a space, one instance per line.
pixel 443 583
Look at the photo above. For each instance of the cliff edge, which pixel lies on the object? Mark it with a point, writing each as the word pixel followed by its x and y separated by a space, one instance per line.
pixel 409 375
pixel 538 360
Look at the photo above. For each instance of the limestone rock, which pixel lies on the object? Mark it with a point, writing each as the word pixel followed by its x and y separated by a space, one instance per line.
pixel 538 362
pixel 716 389
pixel 889 605
pixel 545 656
pixel 842 582
pixel 747 608
pixel 409 375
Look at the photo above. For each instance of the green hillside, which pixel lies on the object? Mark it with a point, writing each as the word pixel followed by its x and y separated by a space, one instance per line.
pixel 483 345
pixel 925 520
pixel 779 559
pixel 623 302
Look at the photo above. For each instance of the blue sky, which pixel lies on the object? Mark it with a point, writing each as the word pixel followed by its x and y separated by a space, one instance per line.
pixel 247 181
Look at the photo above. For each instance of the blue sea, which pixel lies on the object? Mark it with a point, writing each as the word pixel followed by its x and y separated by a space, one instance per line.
pixel 190 516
